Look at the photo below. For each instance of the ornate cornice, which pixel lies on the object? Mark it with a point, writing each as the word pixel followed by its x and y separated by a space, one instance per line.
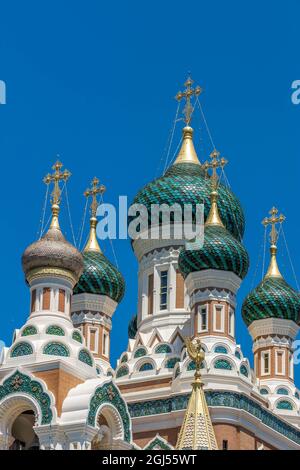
pixel 228 399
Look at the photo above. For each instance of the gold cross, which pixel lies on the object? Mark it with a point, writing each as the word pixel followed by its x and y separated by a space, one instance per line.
pixel 216 162
pixel 187 94
pixel 55 178
pixel 273 220
pixel 93 192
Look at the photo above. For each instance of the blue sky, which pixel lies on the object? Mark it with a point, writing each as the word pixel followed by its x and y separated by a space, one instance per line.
pixel 94 82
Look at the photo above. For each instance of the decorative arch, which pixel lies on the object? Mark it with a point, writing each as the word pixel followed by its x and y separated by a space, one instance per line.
pixel 158 443
pixel 171 363
pixel 238 354
pixel 284 405
pixel 20 385
pixel 21 349
pixel 221 349
pixel 282 391
pixel 56 349
pixel 55 330
pixel 29 330
pixel 140 352
pixel 122 371
pixel 146 366
pixel 77 336
pixel 109 395
pixel 163 349
pixel 124 358
pixel 223 364
pixel 85 357
pixel 244 370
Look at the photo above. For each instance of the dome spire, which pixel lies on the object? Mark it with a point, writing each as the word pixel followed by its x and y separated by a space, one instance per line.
pixel 197 431
pixel 92 244
pixel 56 178
pixel 273 270
pixel 187 153
pixel 216 162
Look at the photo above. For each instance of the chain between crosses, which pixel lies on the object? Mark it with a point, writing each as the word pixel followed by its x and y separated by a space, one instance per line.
pixel 273 220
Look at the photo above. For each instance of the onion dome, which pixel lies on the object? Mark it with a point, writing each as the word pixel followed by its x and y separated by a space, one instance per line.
pixel 186 182
pixel 99 275
pixel 52 253
pixel 132 327
pixel 220 249
pixel 273 297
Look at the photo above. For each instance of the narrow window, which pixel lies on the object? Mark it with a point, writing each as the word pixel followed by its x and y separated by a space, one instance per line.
pixel 46 298
pixel 105 344
pixel 92 346
pixel 179 290
pixel 203 319
pixel 150 294
pixel 266 363
pixel 33 300
pixel 224 445
pixel 280 367
pixel 219 318
pixel 163 290
pixel 231 322
pixel 61 300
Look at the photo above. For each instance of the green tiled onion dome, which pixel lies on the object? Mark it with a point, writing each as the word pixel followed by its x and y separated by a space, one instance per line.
pixel 272 298
pixel 220 251
pixel 100 277
pixel 186 183
pixel 132 327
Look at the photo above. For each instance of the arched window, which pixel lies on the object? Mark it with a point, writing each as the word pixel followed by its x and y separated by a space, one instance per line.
pixel 264 391
pixel 140 353
pixel 21 349
pixel 122 371
pixel 29 330
pixel 223 364
pixel 170 363
pixel 221 350
pixel 146 366
pixel 56 349
pixel 84 356
pixel 163 348
pixel 244 370
pixel 77 336
pixel 284 405
pixel 297 395
pixel 282 391
pixel 55 330
pixel 237 354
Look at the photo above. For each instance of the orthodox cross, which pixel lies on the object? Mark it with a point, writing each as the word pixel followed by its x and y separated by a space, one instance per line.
pixel 273 220
pixel 187 94
pixel 55 178
pixel 215 163
pixel 93 192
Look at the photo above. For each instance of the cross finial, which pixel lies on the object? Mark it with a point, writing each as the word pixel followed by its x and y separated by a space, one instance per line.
pixel 273 220
pixel 93 192
pixel 55 178
pixel 187 95
pixel 215 163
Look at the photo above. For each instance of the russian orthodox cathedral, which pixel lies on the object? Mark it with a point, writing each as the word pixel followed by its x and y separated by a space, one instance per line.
pixel 183 382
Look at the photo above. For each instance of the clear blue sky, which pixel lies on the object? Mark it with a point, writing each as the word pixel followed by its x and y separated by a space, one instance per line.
pixel 94 81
